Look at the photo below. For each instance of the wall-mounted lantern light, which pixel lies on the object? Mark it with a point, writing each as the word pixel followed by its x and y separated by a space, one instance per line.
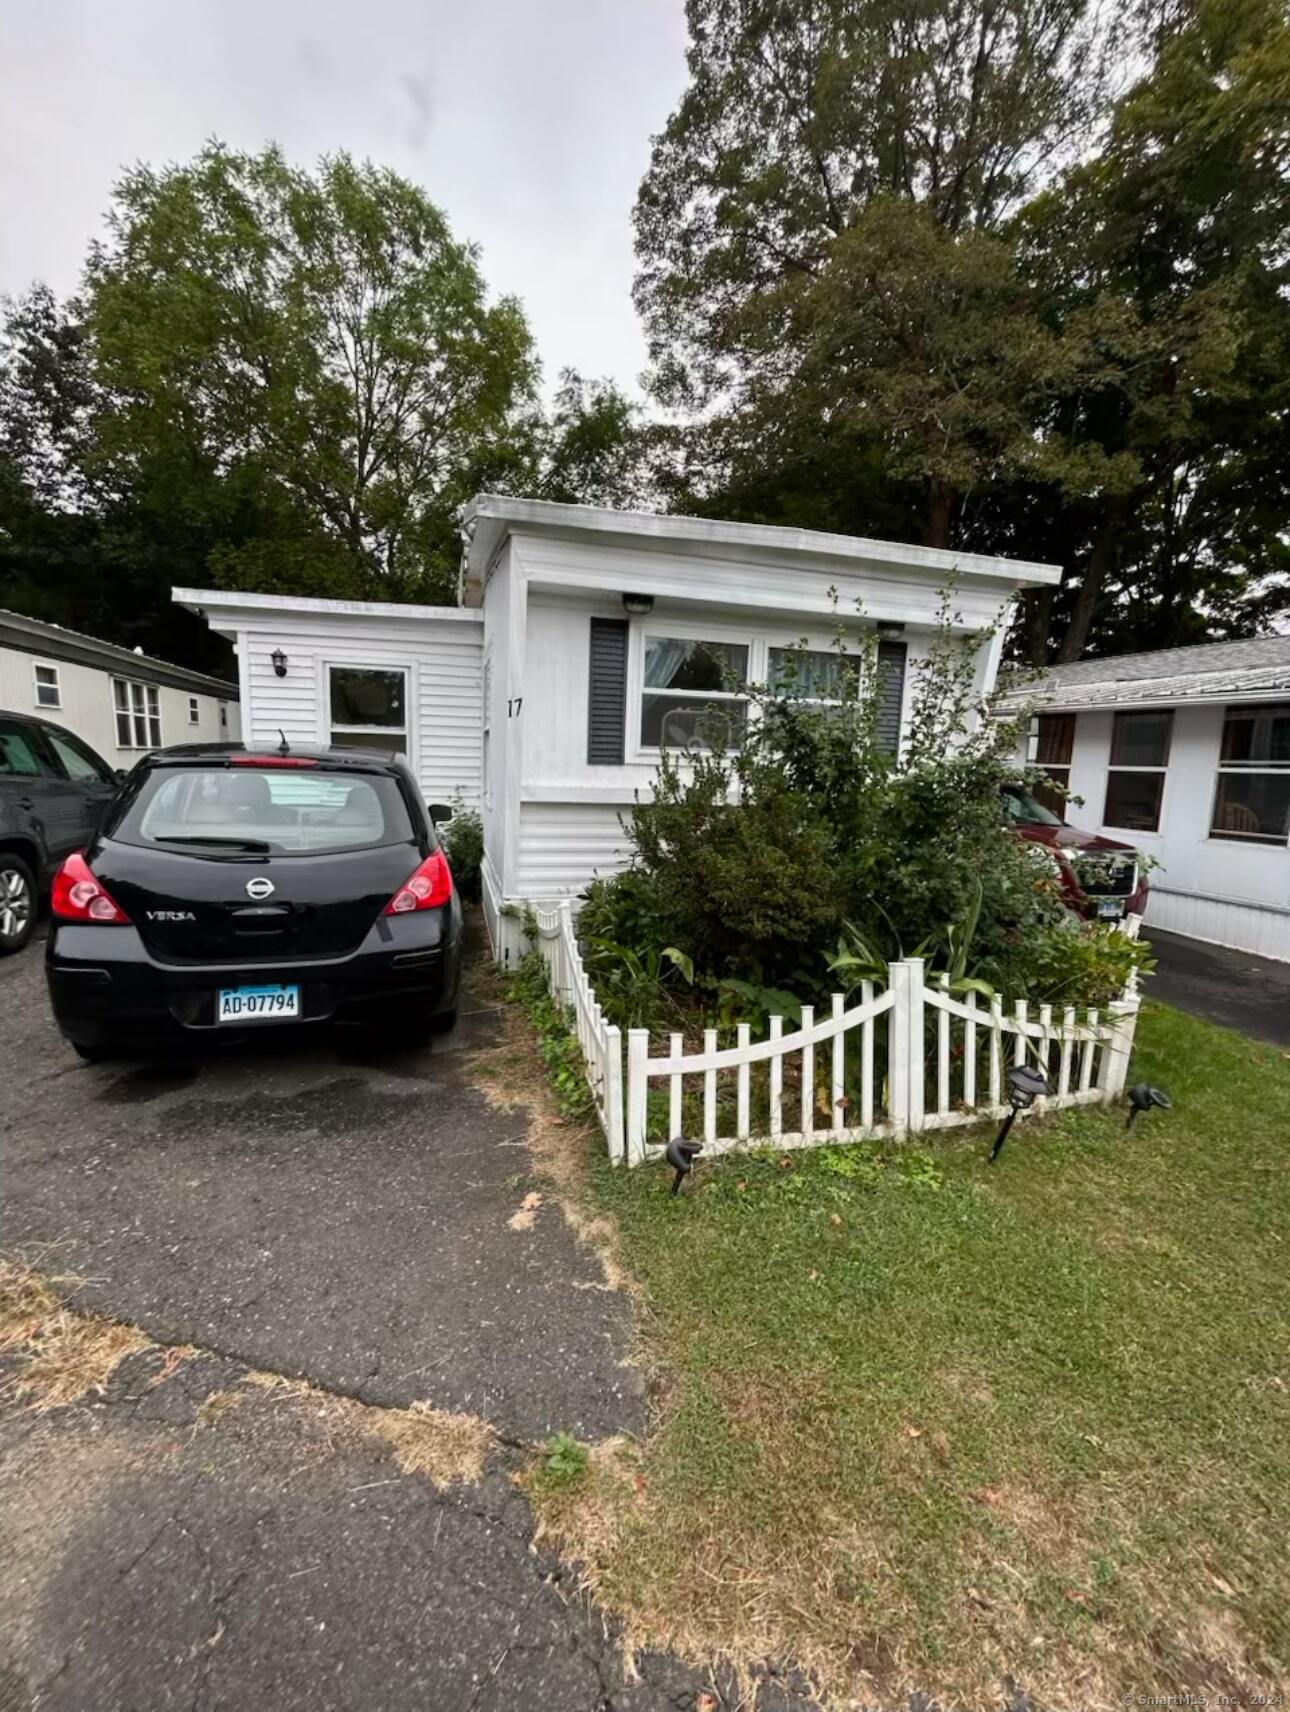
pixel 279 660
pixel 1024 1087
pixel 638 604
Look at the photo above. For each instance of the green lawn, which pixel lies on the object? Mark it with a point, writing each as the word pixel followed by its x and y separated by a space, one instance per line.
pixel 927 1422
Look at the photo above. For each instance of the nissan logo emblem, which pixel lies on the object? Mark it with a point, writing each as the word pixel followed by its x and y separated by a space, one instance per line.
pixel 259 888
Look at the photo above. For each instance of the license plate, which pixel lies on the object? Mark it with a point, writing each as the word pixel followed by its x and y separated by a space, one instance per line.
pixel 1110 909
pixel 257 1004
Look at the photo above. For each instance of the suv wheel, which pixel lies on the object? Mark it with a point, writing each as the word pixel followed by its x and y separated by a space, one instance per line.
pixel 17 904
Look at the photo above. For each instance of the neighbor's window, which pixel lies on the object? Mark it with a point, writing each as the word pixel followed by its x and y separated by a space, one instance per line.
pixel 295 812
pixel 368 708
pixel 1252 795
pixel 48 692
pixel 194 711
pixel 691 697
pixel 814 674
pixel 1051 746
pixel 1135 784
pixel 138 714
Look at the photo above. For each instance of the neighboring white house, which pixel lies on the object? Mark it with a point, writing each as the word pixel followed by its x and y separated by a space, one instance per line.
pixel 1184 753
pixel 120 702
pixel 545 696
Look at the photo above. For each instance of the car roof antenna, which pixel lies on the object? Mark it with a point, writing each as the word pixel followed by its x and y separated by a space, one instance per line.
pixel 284 748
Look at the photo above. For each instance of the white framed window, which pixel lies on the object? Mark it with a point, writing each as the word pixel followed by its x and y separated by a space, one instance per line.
pixel 1135 780
pixel 689 694
pixel 1051 746
pixel 46 689
pixel 194 711
pixel 1252 789
pixel 819 675
pixel 367 708
pixel 138 714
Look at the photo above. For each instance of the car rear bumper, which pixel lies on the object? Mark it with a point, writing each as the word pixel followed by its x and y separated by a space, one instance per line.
pixel 105 986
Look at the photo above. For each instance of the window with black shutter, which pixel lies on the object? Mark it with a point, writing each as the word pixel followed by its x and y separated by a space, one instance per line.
pixel 607 692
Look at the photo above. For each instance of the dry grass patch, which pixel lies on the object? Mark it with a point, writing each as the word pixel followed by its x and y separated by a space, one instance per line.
pixel 443 1446
pixel 62 1355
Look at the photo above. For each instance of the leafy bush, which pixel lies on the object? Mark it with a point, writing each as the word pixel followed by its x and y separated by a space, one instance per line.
pixel 1078 962
pixel 811 857
pixel 463 839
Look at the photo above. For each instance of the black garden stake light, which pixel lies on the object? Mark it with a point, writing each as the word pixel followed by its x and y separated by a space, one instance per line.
pixel 679 1154
pixel 1142 1096
pixel 1024 1088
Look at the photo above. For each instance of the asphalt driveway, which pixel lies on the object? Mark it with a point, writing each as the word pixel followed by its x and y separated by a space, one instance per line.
pixel 334 1211
pixel 1234 988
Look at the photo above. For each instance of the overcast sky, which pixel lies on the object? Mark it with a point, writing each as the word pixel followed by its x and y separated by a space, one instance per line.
pixel 528 121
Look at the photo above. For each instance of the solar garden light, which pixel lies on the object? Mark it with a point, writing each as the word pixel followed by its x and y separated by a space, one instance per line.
pixel 680 1156
pixel 1024 1088
pixel 1142 1096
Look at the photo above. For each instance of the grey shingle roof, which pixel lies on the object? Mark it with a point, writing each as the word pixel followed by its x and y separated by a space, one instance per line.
pixel 1207 672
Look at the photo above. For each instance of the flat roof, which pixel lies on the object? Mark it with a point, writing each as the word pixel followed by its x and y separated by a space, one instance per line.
pixel 1207 671
pixel 35 636
pixel 490 517
pixel 226 600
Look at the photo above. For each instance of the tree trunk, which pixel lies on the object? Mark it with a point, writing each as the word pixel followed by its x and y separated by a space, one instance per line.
pixel 941 502
pixel 1103 558
pixel 1036 617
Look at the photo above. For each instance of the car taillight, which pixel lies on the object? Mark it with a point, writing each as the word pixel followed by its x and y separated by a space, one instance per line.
pixel 429 888
pixel 77 896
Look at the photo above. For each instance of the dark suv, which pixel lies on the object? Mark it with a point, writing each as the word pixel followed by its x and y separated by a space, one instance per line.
pixel 53 787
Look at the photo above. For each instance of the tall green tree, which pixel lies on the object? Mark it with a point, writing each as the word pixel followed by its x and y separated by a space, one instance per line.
pixel 1168 249
pixel 918 260
pixel 308 367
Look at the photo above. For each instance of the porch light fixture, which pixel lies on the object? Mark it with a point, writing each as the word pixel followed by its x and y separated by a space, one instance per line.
pixel 279 660
pixel 679 1154
pixel 1142 1096
pixel 638 604
pixel 1024 1087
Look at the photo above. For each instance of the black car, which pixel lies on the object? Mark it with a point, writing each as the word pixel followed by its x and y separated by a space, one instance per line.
pixel 53 788
pixel 231 889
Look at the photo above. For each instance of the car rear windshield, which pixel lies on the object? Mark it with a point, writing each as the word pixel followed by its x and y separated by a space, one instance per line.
pixel 287 812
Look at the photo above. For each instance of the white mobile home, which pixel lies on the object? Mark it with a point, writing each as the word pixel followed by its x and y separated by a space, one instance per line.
pixel 1184 753
pixel 121 703
pixel 585 641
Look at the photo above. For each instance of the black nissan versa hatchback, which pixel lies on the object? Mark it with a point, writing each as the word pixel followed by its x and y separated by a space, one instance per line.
pixel 231 889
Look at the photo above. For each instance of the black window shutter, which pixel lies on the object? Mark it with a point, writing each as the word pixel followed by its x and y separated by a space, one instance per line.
pixel 607 692
pixel 891 693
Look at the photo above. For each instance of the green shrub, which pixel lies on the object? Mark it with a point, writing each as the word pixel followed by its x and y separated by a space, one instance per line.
pixel 1078 962
pixel 463 839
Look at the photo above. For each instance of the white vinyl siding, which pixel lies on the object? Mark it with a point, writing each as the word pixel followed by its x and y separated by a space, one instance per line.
pixel 565 845
pixel 443 663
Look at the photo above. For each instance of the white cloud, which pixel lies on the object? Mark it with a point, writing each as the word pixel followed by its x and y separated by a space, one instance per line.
pixel 529 123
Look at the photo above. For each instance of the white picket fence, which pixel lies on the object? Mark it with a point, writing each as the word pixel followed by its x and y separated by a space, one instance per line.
pixel 601 1041
pixel 946 1062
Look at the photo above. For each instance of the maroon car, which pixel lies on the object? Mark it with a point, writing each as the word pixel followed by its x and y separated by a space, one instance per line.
pixel 1103 879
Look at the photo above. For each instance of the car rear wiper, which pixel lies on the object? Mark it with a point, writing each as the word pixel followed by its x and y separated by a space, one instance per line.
pixel 253 846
